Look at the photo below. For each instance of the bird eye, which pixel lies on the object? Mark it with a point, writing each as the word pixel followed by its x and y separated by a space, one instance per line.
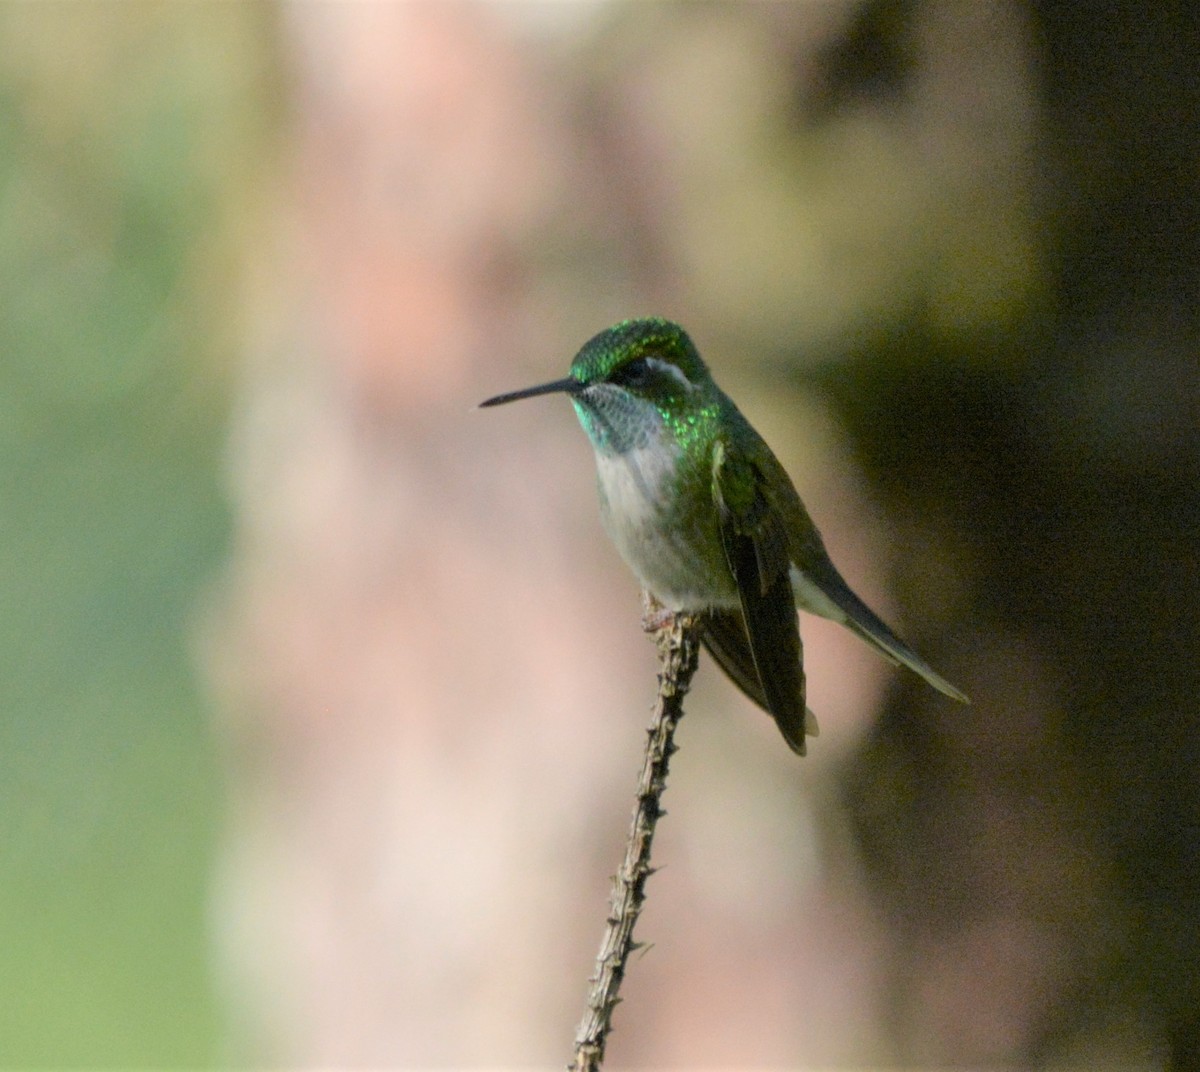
pixel 635 373
pixel 645 373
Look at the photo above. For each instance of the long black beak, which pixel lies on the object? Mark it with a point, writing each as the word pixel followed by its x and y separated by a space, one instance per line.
pixel 570 386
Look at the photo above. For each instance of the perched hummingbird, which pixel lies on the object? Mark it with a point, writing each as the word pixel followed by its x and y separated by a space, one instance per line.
pixel 707 518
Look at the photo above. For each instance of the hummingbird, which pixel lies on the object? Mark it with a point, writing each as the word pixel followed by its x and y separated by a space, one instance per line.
pixel 707 518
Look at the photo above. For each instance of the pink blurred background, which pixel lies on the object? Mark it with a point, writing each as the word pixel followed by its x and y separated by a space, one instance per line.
pixel 434 678
pixel 944 257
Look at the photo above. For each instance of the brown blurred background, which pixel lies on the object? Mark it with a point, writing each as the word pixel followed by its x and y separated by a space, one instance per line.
pixel 324 692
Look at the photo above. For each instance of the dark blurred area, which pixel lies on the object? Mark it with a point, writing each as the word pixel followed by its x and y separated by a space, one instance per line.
pixel 1061 821
pixel 325 692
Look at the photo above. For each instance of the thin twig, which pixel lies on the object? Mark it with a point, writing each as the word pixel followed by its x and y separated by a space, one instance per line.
pixel 678 646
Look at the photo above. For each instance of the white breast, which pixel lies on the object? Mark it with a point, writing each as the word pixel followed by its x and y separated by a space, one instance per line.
pixel 635 484
pixel 635 488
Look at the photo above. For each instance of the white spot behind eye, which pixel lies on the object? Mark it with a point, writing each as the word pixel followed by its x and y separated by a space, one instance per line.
pixel 665 366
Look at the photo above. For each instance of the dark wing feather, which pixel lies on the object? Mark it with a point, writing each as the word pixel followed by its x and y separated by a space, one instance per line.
pixel 723 633
pixel 755 541
pixel 809 556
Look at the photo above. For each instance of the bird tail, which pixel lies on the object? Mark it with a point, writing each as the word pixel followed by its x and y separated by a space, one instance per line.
pixel 863 621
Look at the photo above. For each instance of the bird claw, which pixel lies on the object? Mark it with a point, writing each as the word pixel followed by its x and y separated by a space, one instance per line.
pixel 655 617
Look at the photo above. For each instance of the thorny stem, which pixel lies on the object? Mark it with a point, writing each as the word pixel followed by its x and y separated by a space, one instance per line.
pixel 677 638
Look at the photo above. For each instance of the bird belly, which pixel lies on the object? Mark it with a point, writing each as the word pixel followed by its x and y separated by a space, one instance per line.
pixel 671 543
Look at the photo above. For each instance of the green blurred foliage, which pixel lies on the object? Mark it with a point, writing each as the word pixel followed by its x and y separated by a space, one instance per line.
pixel 132 145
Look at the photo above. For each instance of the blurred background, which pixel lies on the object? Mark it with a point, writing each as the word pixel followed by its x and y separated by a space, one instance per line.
pixel 323 693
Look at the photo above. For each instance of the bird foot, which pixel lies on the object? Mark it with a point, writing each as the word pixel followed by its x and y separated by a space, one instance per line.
pixel 655 617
